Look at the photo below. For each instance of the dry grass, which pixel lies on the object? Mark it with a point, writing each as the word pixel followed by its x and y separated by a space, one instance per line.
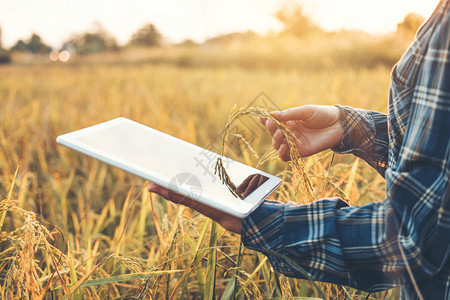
pixel 74 227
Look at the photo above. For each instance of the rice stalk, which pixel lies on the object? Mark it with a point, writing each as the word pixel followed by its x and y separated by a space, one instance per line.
pixel 23 273
pixel 200 256
pixel 340 193
pixel 195 262
pixel 210 285
pixel 129 262
pixel 7 201
pixel 120 230
pixel 158 228
pixel 296 267
pixel 298 165
pixel 220 171
pixel 250 277
pixel 246 143
pixel 249 286
pixel 271 155
pixel 266 272
pixel 152 287
pixel 351 177
pixel 286 289
pixel 143 212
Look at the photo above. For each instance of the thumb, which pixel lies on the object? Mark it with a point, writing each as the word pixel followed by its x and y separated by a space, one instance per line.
pixel 295 113
pixel 154 188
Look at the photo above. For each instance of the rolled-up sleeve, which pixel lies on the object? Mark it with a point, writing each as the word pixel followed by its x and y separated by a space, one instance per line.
pixel 365 135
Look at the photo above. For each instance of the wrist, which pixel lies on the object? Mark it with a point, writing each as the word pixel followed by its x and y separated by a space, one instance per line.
pixel 339 130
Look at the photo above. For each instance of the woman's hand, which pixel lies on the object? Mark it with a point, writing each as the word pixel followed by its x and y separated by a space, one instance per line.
pixel 250 184
pixel 227 221
pixel 317 128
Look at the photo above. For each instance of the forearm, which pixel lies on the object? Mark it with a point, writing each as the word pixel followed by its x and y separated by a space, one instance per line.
pixel 318 238
pixel 359 247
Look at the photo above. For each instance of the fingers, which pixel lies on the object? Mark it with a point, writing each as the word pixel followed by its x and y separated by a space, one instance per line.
pixel 271 127
pixel 262 179
pixel 295 113
pixel 229 222
pixel 291 114
pixel 279 143
pixel 262 120
pixel 154 188
pixel 278 139
pixel 250 184
pixel 170 195
pixel 241 188
pixel 284 153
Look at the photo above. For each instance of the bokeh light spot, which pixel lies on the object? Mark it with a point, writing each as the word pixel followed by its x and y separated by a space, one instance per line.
pixel 64 56
pixel 54 55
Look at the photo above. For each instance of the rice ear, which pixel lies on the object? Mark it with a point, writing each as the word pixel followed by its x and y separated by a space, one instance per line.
pixel 299 167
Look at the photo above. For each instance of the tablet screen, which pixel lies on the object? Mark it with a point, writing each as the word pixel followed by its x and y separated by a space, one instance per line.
pixel 170 162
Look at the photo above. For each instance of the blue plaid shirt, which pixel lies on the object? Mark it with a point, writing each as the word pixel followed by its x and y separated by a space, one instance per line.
pixel 405 239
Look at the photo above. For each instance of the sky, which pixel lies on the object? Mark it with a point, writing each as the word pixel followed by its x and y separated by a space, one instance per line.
pixel 57 20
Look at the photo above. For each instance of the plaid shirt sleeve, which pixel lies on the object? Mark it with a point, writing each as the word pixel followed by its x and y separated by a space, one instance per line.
pixel 365 135
pixel 404 240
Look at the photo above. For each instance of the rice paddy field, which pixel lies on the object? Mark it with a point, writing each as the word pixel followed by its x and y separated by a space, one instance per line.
pixel 74 228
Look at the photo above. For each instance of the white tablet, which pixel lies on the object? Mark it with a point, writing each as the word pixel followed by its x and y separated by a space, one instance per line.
pixel 170 162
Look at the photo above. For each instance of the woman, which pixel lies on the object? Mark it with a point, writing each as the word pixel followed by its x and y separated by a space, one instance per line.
pixel 402 241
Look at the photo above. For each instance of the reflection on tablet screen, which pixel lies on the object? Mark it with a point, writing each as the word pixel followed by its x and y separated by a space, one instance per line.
pixel 250 184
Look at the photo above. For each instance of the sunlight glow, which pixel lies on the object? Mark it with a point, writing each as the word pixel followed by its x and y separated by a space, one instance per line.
pixel 57 20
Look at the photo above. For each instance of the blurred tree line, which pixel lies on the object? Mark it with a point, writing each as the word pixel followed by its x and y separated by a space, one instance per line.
pixel 148 36
pixel 33 45
pixel 4 55
pixel 96 40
